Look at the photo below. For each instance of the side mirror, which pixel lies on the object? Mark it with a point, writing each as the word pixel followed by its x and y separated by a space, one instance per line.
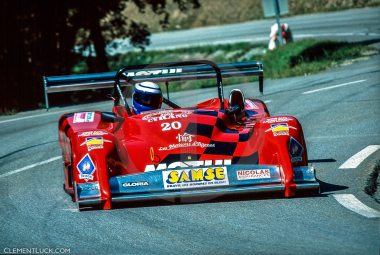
pixel 109 96
pixel 110 117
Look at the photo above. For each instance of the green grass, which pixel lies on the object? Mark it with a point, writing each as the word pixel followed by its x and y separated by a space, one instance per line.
pixel 299 58
pixel 217 53
pixel 221 12
pixel 238 52
pixel 309 56
pixel 296 59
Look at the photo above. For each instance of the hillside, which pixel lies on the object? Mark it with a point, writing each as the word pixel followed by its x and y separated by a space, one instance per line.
pixel 216 12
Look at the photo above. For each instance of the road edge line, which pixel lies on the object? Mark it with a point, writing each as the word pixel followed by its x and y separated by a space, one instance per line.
pixel 30 166
pixel 350 202
pixel 358 158
pixel 332 87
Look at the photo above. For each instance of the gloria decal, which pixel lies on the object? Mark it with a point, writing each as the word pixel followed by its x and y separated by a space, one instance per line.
pixel 253 174
pixel 94 143
pixel 134 184
pixel 186 164
pixel 167 115
pixel 194 178
pixel 295 150
pixel 86 168
pixel 82 117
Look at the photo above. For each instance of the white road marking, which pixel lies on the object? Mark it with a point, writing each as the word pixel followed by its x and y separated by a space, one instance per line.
pixel 301 36
pixel 32 116
pixel 30 166
pixel 70 210
pixel 48 113
pixel 352 203
pixel 268 101
pixel 359 157
pixel 340 136
pixel 123 46
pixel 332 87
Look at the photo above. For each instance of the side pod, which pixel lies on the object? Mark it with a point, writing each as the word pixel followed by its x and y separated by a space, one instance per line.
pixel 284 145
pixel 86 140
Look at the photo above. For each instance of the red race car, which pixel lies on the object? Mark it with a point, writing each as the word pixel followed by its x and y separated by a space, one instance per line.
pixel 150 147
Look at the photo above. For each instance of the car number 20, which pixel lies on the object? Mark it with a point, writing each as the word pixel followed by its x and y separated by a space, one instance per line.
pixel 166 126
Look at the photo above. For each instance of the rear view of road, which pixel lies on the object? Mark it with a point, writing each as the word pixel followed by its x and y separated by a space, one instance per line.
pixel 340 114
pixel 352 25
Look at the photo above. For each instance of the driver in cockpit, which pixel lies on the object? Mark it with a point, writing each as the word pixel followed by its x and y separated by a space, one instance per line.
pixel 146 96
pixel 236 104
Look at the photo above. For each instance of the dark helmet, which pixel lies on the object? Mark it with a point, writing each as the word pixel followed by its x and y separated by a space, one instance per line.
pixel 146 96
pixel 237 99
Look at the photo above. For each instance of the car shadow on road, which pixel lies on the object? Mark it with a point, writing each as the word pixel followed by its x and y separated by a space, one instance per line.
pixel 323 160
pixel 325 190
pixel 229 198
pixel 26 148
pixel 329 187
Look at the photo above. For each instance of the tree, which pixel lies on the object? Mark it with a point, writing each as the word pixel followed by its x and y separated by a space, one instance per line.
pixel 39 37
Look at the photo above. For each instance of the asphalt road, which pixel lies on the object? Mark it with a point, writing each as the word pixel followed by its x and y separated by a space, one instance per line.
pixel 350 25
pixel 338 122
pixel 340 114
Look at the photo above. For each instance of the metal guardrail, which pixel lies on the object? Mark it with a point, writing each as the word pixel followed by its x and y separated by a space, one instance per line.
pixel 78 82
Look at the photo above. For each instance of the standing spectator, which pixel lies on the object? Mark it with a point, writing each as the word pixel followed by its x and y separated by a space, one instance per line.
pixel 273 37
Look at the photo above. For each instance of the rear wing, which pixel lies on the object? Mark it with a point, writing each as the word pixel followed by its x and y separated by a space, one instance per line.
pixel 67 83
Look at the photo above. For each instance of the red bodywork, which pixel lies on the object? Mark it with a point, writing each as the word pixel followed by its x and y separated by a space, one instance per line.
pixel 120 144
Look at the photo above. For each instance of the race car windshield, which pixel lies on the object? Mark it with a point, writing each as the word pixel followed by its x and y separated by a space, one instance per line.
pixel 148 99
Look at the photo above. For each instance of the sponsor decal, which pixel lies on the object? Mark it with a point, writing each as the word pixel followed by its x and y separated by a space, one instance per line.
pixel 88 190
pixel 155 72
pixel 134 184
pixel 93 133
pixel 151 152
pixel 184 138
pixel 89 186
pixel 280 129
pixel 94 143
pixel 253 174
pixel 295 150
pixel 153 157
pixel 303 173
pixel 166 115
pixel 185 145
pixel 169 126
pixel 81 117
pixel 86 168
pixel 194 178
pixel 277 119
pixel 186 164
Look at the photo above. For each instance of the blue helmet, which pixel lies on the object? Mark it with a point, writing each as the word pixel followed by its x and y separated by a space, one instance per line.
pixel 146 96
